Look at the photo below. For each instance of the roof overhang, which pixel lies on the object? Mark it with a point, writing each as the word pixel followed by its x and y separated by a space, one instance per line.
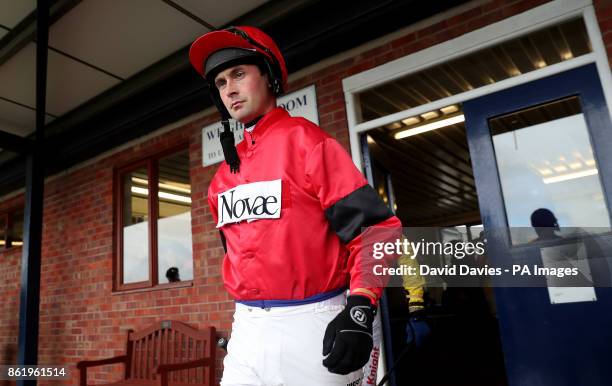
pixel 139 97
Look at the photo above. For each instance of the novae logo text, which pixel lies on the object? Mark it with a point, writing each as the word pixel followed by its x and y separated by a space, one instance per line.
pixel 255 201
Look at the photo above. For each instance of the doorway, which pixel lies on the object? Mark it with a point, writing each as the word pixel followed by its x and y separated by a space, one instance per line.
pixel 427 178
pixel 549 61
pixel 482 170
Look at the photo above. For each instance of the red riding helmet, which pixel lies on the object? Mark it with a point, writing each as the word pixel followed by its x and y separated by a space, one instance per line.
pixel 243 38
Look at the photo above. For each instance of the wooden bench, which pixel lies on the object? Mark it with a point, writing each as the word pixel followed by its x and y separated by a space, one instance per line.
pixel 169 353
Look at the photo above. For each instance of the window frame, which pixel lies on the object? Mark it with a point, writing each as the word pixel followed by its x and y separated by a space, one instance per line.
pixel 7 216
pixel 150 162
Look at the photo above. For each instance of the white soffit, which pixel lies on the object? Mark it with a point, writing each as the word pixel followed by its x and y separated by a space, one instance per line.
pixel 16 119
pixel 70 83
pixel 18 77
pixel 217 15
pixel 95 46
pixel 123 37
pixel 14 11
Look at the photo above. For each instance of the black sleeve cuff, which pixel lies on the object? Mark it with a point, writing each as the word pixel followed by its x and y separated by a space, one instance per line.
pixel 361 208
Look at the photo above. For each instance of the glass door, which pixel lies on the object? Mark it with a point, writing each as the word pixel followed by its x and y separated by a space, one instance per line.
pixel 542 160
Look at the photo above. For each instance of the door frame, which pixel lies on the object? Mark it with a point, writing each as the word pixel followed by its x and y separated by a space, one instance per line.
pixel 538 335
pixel 551 13
pixel 534 19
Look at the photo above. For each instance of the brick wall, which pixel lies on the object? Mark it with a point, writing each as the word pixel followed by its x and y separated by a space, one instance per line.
pixel 10 263
pixel 80 317
pixel 603 10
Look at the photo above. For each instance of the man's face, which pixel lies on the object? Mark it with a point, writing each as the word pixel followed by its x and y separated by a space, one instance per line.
pixel 245 92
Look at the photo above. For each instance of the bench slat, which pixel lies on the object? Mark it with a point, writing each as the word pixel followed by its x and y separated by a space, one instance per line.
pixel 168 343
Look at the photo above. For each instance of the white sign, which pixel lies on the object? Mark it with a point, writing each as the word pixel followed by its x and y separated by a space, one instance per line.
pixel 212 152
pixel 301 103
pixel 254 201
pixel 562 256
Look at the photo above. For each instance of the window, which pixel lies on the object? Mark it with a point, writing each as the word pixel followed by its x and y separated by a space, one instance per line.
pixel 153 226
pixel 546 181
pixel 11 229
pixel 3 230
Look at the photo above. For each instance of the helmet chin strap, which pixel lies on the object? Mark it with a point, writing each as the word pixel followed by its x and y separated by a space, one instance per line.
pixel 228 143
pixel 229 147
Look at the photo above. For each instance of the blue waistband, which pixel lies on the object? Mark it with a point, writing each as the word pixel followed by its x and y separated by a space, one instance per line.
pixel 291 302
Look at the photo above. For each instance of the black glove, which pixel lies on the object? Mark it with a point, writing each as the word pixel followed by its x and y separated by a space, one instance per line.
pixel 348 338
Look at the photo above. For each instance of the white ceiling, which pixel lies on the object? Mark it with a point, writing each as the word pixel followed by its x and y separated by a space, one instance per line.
pixel 123 37
pixel 14 11
pixel 210 10
pixel 69 82
pixel 17 79
pixel 97 45
pixel 16 119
